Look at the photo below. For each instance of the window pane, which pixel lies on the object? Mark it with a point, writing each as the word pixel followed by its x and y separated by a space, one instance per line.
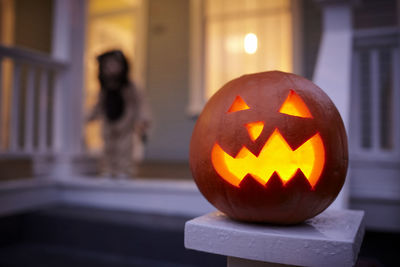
pixel 230 54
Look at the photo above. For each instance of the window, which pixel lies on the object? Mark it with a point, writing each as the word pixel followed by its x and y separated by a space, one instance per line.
pixel 232 38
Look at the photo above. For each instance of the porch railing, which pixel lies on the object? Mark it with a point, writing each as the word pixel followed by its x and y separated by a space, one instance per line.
pixel 375 127
pixel 31 100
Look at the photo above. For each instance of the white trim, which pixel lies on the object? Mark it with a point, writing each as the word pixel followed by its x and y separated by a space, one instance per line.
pixel 2 128
pixel 16 96
pixel 61 49
pixel 297 35
pixel 43 112
pixel 379 215
pixel 60 93
pixel 170 197
pixel 160 196
pixel 375 99
pixel 396 96
pixel 140 58
pixel 371 179
pixel 68 44
pixel 376 32
pixel 196 57
pixel 375 155
pixel 32 57
pixel 334 60
pixel 29 109
pixel 26 194
pixel 60 37
pixel 74 80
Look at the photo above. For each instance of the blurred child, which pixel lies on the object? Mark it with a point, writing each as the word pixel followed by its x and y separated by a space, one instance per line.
pixel 123 112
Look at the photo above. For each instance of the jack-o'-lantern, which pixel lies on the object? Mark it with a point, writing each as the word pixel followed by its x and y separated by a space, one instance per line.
pixel 269 147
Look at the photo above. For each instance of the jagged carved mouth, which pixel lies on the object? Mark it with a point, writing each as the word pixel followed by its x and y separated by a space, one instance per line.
pixel 276 156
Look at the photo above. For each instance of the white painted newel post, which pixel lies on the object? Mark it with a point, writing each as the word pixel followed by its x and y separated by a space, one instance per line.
pixel 68 45
pixel 332 238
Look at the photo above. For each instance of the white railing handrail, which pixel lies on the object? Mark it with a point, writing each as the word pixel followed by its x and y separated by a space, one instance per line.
pixel 32 57
pixel 36 82
pixel 367 38
pixel 370 43
pixel 376 32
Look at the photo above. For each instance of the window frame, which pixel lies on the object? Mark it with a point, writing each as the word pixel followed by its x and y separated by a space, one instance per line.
pixel 197 90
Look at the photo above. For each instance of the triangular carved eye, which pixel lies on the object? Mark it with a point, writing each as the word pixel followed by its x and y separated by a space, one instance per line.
pixel 295 106
pixel 238 105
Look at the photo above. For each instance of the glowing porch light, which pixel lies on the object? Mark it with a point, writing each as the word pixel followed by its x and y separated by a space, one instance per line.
pixel 250 43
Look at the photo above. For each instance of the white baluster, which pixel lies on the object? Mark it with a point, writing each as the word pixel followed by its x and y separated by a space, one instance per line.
pixel 1 106
pixel 58 113
pixel 29 109
pixel 43 109
pixel 375 100
pixel 14 131
pixel 356 125
pixel 396 96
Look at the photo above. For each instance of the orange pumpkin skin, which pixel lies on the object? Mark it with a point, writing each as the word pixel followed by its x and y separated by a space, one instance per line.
pixel 274 202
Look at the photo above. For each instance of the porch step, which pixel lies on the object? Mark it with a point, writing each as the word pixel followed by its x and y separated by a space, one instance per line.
pixel 79 236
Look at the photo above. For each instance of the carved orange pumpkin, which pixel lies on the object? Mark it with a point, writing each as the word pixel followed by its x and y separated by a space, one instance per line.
pixel 269 147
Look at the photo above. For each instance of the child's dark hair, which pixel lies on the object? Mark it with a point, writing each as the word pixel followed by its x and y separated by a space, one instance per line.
pixel 113 101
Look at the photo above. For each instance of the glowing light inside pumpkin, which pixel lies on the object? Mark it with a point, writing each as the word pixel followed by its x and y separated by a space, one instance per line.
pixel 295 106
pixel 254 129
pixel 250 43
pixel 275 156
pixel 238 105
